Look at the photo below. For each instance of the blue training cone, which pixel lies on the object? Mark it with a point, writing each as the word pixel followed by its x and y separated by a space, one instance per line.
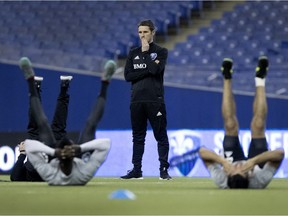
pixel 122 194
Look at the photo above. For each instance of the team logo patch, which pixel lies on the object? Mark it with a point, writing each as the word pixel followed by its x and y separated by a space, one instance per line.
pixel 153 56
pixel 185 145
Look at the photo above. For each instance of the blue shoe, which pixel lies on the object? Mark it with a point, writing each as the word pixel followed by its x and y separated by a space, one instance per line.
pixel 109 70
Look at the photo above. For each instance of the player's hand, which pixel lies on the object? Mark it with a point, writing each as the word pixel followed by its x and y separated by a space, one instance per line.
pixel 145 45
pixel 76 149
pixel 66 153
pixel 228 167
pixel 247 166
pixel 58 153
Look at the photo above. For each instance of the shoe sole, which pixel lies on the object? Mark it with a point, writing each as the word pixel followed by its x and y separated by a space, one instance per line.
pixel 228 60
pixel 110 65
pixel 110 68
pixel 26 67
pixel 132 178
pixel 165 179
pixel 64 78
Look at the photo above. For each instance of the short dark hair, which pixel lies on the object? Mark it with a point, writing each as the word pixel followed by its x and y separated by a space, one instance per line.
pixel 148 23
pixel 64 142
pixel 237 182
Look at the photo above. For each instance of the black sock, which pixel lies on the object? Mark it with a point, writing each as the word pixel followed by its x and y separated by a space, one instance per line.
pixel 103 90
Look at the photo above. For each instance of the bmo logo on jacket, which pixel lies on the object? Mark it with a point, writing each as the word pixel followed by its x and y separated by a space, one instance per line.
pixel 139 66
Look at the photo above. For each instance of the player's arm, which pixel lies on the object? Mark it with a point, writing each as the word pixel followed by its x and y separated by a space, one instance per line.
pixel 34 146
pixel 96 144
pixel 209 157
pixel 130 74
pixel 100 148
pixel 156 66
pixel 274 158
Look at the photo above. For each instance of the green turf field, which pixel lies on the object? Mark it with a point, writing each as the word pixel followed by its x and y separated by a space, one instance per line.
pixel 189 196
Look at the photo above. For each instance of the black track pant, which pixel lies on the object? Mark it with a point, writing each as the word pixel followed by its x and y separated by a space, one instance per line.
pixel 156 114
pixel 25 171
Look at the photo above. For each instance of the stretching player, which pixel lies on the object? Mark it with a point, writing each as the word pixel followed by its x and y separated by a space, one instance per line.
pixel 237 171
pixel 66 168
pixel 25 171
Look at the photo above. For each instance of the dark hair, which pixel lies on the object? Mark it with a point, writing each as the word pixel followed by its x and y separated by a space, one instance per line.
pixel 148 23
pixel 64 142
pixel 237 181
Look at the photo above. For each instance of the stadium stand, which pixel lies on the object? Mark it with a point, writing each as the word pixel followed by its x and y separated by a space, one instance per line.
pixel 60 33
pixel 242 34
pixel 51 30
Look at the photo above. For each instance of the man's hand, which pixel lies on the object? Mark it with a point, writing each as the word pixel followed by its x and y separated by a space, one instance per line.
pixel 77 150
pixel 68 152
pixel 145 45
pixel 58 153
pixel 227 166
pixel 22 148
pixel 247 166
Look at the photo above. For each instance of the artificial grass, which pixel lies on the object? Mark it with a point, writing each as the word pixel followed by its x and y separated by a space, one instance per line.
pixel 180 196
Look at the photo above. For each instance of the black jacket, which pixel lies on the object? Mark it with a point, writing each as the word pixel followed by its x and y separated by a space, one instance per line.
pixel 145 75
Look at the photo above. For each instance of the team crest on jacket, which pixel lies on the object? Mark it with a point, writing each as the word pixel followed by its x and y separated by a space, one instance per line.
pixel 153 56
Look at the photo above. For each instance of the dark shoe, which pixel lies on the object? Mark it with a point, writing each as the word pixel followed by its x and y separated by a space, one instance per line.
pixel 26 66
pixel 38 80
pixel 262 67
pixel 227 68
pixel 164 175
pixel 132 174
pixel 65 81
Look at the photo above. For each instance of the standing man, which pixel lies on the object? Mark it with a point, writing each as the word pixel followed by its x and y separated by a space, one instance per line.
pixel 145 70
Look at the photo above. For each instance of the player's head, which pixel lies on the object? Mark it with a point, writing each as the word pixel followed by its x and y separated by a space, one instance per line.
pixel 64 142
pixel 237 178
pixel 146 29
pixel 67 152
pixel 237 181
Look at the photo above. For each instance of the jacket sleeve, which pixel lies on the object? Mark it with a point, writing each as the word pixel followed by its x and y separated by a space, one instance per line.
pixel 153 67
pixel 129 73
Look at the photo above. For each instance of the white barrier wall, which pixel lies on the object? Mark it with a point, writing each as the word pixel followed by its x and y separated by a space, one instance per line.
pixel 183 156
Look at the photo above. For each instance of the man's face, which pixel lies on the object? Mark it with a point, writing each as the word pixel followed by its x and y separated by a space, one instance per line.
pixel 146 33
